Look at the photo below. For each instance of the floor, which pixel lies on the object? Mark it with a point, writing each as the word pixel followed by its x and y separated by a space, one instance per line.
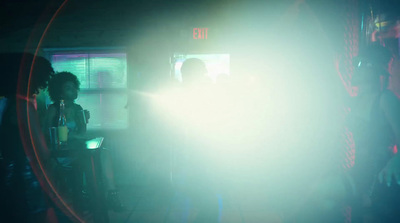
pixel 149 204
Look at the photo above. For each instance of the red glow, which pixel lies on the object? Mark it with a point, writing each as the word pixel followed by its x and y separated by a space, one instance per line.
pixel 194 33
pixel 32 130
pixel 395 149
pixel 352 90
pixel 200 33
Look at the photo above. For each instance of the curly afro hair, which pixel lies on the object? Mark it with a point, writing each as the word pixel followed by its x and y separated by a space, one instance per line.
pixel 56 83
pixel 17 76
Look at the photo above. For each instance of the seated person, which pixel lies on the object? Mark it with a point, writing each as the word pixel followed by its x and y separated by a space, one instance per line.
pixel 65 86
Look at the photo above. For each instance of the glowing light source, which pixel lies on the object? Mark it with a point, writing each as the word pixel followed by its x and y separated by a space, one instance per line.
pixel 94 143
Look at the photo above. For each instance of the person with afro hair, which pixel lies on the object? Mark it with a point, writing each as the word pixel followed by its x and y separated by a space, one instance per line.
pixel 65 86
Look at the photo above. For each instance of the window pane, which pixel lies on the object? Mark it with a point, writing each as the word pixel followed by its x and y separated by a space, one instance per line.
pixel 106 110
pixel 74 63
pixel 107 70
pixel 98 71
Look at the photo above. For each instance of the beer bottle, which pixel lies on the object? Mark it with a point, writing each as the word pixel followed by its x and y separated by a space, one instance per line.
pixel 62 125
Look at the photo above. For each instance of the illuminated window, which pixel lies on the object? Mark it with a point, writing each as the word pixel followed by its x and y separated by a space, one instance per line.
pixel 103 77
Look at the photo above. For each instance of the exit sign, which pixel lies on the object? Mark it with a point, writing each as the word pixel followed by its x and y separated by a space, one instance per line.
pixel 200 33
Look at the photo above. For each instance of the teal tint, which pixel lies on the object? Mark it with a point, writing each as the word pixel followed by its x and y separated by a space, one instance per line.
pixel 98 72
pixel 94 70
pixel 217 64
pixel 74 63
pixel 94 143
pixel 106 110
pixel 107 70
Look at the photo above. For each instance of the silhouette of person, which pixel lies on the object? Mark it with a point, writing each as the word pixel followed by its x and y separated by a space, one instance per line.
pixel 65 86
pixel 198 187
pixel 375 124
pixel 21 142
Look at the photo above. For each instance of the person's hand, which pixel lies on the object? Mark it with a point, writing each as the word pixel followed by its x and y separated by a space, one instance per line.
pixel 391 170
pixel 87 115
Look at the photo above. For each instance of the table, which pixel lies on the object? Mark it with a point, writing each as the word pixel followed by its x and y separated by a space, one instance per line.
pixel 90 152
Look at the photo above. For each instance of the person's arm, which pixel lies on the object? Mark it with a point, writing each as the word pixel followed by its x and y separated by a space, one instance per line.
pixel 31 135
pixel 390 106
pixel 81 124
pixel 80 132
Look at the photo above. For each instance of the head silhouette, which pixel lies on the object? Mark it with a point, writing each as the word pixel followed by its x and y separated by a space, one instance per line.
pixel 193 70
pixel 371 63
pixel 23 70
pixel 64 85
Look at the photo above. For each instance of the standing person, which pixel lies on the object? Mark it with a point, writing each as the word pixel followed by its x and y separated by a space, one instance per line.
pixel 198 178
pixel 22 192
pixel 65 86
pixel 375 123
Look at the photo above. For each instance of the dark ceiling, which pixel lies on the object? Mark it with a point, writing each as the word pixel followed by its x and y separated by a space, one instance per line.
pixel 24 14
pixel 16 15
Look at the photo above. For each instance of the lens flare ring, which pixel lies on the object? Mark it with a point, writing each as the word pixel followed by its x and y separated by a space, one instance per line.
pixel 40 171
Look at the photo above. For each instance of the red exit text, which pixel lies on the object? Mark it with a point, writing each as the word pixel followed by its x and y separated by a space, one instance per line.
pixel 200 33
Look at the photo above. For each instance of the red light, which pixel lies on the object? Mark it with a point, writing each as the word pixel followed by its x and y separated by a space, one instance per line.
pixel 200 33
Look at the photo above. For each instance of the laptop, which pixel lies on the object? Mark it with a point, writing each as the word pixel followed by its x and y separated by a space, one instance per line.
pixel 94 143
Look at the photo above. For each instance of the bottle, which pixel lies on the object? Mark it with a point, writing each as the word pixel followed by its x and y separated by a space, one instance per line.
pixel 62 125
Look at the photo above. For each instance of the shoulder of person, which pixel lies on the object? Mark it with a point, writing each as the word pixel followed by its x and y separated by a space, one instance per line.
pixel 77 107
